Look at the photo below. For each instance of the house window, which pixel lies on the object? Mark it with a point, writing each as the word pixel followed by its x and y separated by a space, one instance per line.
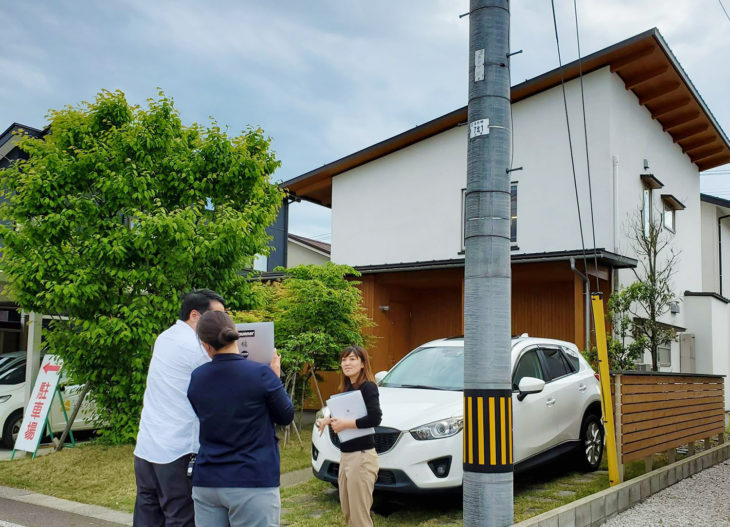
pixel 664 354
pixel 260 263
pixel 646 211
pixel 512 214
pixel 671 206
pixel 668 218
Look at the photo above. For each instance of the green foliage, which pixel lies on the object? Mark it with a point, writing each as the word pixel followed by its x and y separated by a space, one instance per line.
pixel 117 212
pixel 623 352
pixel 317 313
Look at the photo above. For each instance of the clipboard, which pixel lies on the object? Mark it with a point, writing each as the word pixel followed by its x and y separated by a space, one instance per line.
pixel 349 405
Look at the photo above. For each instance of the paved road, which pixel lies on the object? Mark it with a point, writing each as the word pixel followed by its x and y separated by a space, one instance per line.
pixel 19 514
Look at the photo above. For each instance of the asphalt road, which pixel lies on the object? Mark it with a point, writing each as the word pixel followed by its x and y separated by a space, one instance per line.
pixel 19 514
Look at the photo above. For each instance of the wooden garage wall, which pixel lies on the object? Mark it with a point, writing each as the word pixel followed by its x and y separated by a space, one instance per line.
pixel 410 308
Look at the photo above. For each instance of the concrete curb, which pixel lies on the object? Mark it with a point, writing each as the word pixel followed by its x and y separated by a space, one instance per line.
pixel 288 479
pixel 92 511
pixel 598 508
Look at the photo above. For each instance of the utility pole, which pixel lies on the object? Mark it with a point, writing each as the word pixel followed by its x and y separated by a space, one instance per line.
pixel 488 466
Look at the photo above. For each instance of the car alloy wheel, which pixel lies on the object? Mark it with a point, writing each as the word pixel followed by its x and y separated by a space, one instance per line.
pixel 592 442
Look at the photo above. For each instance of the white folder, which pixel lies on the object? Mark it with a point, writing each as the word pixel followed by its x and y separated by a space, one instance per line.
pixel 349 405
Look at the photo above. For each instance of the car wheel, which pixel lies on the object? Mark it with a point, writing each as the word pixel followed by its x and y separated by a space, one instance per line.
pixel 12 429
pixel 591 442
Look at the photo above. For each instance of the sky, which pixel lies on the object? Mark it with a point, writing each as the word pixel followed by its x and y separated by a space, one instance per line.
pixel 322 78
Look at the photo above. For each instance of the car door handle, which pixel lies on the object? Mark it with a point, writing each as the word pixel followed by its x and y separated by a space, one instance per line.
pixel 582 387
pixel 550 402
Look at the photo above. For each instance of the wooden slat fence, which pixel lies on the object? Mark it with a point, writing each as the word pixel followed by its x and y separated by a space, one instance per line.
pixel 657 412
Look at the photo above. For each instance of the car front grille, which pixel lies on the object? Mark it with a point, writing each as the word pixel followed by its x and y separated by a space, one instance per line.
pixel 385 477
pixel 385 438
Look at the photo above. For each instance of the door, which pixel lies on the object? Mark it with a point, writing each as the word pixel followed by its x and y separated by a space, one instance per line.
pixel 533 428
pixel 567 393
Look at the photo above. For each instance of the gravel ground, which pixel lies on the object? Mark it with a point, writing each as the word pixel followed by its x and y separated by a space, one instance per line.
pixel 702 500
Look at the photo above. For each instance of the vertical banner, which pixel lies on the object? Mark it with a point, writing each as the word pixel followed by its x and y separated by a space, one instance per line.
pixel 36 412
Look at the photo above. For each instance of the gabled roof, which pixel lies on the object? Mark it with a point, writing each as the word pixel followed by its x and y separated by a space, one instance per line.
pixel 322 247
pixel 645 64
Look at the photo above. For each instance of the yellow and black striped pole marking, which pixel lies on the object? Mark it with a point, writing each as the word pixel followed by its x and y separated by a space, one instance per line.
pixel 488 430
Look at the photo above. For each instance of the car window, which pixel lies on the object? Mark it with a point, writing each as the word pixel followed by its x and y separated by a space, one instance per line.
pixel 528 366
pixel 572 357
pixel 557 365
pixel 14 375
pixel 438 368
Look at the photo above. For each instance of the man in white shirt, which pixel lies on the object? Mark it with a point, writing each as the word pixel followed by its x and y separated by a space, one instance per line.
pixel 168 428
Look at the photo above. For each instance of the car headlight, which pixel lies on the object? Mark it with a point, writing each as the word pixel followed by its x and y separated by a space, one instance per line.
pixel 4 398
pixel 439 429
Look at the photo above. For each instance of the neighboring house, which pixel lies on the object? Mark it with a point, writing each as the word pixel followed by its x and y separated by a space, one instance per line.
pixel 12 332
pixel 305 251
pixel 397 206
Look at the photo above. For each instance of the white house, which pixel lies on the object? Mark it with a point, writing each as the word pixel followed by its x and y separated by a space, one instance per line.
pixel 397 206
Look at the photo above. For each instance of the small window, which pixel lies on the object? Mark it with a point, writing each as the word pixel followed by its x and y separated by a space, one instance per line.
pixel 646 211
pixel 572 357
pixel 664 354
pixel 528 366
pixel 557 365
pixel 669 218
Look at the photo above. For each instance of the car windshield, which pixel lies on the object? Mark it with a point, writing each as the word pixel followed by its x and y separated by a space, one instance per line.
pixel 14 374
pixel 432 368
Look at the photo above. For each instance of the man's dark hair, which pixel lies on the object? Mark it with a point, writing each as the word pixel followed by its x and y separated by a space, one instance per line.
pixel 198 300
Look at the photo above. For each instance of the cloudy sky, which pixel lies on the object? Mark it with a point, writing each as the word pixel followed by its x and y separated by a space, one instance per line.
pixel 322 78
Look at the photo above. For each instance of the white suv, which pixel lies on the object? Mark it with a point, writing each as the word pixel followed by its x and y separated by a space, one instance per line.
pixel 556 410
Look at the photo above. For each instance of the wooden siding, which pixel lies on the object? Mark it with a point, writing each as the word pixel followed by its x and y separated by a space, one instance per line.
pixel 413 307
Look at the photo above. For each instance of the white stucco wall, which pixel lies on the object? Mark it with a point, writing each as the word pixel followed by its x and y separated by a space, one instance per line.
pixel 298 255
pixel 710 249
pixel 709 320
pixel 406 207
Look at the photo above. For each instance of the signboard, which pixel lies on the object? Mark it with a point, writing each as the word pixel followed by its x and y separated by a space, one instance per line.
pixel 36 412
pixel 478 127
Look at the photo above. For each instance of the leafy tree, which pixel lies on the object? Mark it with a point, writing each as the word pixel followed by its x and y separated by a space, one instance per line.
pixel 117 212
pixel 623 348
pixel 652 291
pixel 317 312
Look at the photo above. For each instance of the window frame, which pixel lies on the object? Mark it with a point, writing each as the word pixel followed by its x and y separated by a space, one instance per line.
pixel 672 213
pixel 540 363
pixel 559 349
pixel 668 347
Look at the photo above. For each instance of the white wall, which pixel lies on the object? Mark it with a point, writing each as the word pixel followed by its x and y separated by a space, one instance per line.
pixel 406 207
pixel 710 249
pixel 709 319
pixel 296 254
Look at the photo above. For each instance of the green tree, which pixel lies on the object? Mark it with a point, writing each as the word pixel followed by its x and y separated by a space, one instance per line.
pixel 117 212
pixel 652 294
pixel 317 312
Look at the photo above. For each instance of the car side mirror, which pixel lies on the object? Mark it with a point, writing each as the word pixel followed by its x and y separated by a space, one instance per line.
pixel 379 376
pixel 529 385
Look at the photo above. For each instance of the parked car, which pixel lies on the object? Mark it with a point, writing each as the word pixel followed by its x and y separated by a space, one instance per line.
pixel 12 397
pixel 556 410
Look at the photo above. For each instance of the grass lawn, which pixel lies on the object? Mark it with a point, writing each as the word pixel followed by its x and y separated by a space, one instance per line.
pixel 104 475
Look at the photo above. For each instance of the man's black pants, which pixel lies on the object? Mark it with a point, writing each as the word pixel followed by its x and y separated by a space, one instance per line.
pixel 164 494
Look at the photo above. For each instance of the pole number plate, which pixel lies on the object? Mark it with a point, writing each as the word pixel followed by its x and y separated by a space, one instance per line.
pixel 478 127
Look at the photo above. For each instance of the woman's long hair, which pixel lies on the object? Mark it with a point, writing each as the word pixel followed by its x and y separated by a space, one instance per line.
pixel 366 374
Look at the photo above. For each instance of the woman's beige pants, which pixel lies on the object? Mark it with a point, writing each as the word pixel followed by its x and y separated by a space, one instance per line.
pixel 356 479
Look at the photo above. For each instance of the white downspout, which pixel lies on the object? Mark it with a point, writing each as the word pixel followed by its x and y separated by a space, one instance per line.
pixel 616 217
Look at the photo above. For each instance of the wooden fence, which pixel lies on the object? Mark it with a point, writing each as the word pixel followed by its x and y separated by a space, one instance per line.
pixel 657 412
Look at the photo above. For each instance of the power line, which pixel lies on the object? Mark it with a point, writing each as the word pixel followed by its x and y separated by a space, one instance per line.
pixel 585 136
pixel 570 140
pixel 723 9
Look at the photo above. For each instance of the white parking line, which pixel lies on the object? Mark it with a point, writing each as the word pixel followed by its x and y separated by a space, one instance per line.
pixel 8 524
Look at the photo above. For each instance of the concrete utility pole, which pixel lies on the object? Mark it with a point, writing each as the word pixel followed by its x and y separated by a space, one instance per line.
pixel 488 468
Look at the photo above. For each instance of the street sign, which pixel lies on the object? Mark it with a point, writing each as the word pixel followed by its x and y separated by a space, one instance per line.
pixel 36 412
